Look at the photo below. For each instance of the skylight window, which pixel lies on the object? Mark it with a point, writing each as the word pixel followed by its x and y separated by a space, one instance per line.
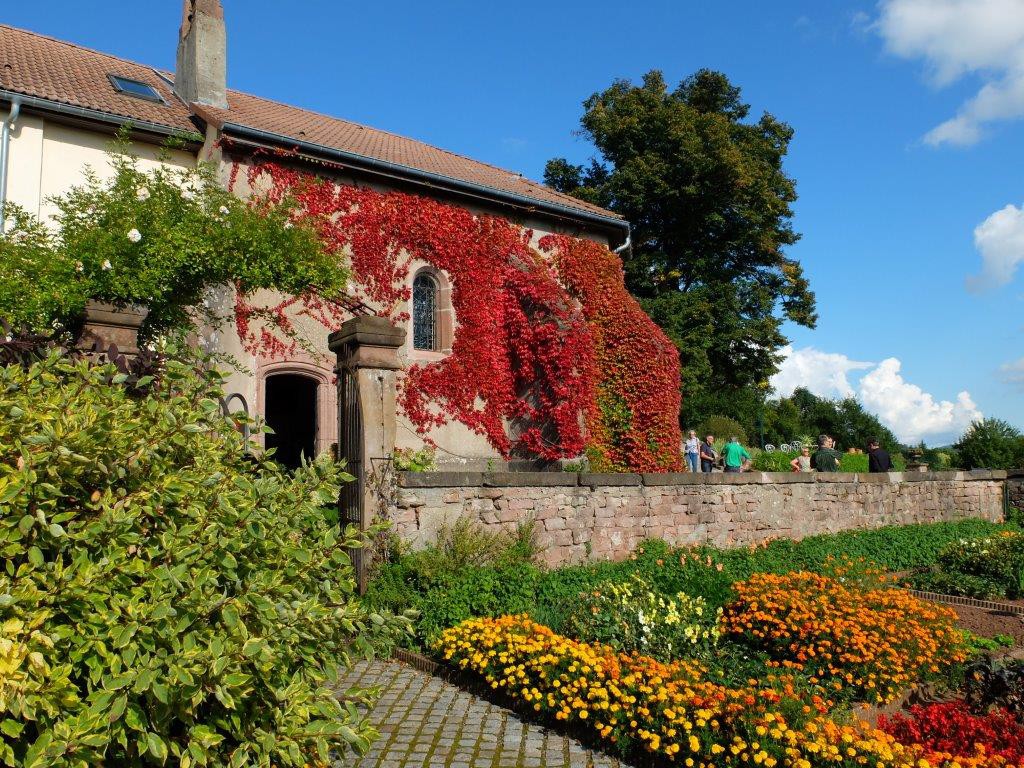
pixel 135 88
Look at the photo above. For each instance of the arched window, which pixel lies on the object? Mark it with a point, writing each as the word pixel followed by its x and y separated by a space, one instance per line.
pixel 424 313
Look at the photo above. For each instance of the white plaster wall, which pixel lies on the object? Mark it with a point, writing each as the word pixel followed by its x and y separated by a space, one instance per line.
pixel 48 158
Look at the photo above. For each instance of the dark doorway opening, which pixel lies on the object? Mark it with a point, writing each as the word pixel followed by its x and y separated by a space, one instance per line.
pixel 290 410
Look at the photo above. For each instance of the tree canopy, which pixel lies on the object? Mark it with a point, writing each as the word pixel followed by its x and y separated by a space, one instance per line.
pixel 991 444
pixel 803 415
pixel 711 209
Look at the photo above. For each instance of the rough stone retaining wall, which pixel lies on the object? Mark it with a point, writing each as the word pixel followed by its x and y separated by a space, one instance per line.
pixel 1015 489
pixel 581 516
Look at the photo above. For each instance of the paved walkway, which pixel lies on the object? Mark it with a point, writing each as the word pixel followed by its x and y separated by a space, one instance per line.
pixel 427 722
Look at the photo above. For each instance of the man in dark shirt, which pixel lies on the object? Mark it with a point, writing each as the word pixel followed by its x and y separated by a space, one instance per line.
pixel 708 456
pixel 825 459
pixel 878 458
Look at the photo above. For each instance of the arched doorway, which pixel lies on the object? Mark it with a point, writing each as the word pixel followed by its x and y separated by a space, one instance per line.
pixel 290 409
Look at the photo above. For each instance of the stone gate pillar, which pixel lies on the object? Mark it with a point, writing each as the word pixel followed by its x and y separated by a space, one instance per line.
pixel 367 353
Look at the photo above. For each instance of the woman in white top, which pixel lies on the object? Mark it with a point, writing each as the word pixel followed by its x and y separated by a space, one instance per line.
pixel 692 450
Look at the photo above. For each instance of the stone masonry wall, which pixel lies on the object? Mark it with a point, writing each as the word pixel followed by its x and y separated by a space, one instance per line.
pixel 582 516
pixel 1015 489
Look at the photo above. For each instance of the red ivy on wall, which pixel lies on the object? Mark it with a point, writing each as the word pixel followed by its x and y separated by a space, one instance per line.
pixel 535 368
pixel 635 416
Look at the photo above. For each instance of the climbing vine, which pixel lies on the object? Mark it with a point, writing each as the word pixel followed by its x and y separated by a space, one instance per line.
pixel 634 419
pixel 533 366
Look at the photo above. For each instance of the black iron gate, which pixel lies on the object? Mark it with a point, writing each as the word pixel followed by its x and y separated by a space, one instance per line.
pixel 350 450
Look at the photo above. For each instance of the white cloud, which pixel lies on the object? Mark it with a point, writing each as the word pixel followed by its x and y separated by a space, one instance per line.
pixel 1000 240
pixel 957 38
pixel 822 373
pixel 1013 373
pixel 910 412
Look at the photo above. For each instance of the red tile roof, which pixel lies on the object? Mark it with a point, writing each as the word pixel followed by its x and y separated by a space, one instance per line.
pixel 50 69
pixel 39 66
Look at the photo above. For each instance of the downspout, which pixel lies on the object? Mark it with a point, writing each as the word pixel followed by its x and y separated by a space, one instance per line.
pixel 629 241
pixel 5 157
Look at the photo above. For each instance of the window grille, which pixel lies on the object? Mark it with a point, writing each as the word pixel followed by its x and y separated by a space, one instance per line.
pixel 424 312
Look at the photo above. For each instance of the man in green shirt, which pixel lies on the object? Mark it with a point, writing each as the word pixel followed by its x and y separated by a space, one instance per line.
pixel 825 459
pixel 734 455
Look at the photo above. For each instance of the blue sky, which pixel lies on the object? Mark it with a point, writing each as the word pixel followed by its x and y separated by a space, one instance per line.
pixel 891 191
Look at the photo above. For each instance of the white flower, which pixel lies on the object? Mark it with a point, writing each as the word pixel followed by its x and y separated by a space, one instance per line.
pixel 135 236
pixel 224 210
pixel 79 266
pixel 188 193
pixel 288 225
pixel 142 193
pixel 107 265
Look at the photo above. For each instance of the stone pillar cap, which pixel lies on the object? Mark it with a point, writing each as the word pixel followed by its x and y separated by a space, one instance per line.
pixel 367 330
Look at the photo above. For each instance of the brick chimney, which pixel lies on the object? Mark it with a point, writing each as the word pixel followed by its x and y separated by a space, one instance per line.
pixel 202 72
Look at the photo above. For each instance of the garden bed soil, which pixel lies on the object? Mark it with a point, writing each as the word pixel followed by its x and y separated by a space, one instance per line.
pixel 988 623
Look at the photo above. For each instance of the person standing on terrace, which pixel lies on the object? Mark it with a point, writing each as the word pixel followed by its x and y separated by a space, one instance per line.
pixel 691 448
pixel 735 456
pixel 826 458
pixel 802 463
pixel 708 455
pixel 878 458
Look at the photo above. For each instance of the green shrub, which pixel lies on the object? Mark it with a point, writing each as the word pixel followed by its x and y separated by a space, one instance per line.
pixel 466 572
pixel 987 568
pixel 465 544
pixel 167 598
pixel 722 427
pixel 630 616
pixel 38 283
pixel 410 460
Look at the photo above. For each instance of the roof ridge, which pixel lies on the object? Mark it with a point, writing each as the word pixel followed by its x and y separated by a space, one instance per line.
pixel 80 47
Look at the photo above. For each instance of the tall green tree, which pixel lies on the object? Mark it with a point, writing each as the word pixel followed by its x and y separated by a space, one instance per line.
pixel 711 209
pixel 991 444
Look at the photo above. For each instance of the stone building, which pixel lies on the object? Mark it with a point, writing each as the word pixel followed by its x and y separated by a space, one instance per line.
pixel 64 102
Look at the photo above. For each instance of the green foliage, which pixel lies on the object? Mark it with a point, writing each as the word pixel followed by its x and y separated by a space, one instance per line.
pixel 991 444
pixel 778 461
pixel 167 598
pixel 464 544
pixel 447 596
pixel 465 572
pixel 803 413
pixel 722 427
pixel 38 283
pixel 164 238
pixel 711 206
pixel 630 616
pixel 987 568
pixel 410 460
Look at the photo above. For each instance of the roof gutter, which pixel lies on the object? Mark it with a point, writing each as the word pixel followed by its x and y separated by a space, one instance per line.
pixel 425 177
pixel 96 116
pixel 5 157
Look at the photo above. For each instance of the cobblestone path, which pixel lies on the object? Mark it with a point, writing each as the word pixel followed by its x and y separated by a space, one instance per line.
pixel 427 722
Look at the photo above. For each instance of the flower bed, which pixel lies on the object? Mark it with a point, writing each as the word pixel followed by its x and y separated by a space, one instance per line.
pixel 951 728
pixel 632 616
pixel 492 587
pixel 987 568
pixel 670 711
pixel 873 642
